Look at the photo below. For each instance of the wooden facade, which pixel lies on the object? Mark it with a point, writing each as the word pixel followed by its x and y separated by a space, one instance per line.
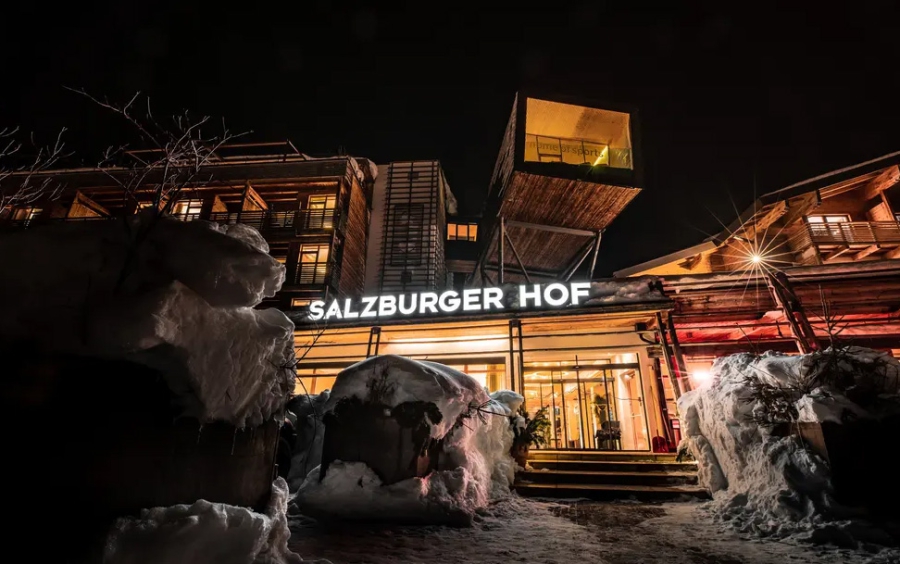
pixel 565 171
pixel 849 215
pixel 314 213
pixel 813 262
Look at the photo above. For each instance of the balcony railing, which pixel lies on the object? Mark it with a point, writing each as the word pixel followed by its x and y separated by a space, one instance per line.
pixel 316 272
pixel 305 220
pixel 301 220
pixel 854 233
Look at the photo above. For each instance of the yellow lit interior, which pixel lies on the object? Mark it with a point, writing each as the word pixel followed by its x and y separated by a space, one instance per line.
pixel 568 364
pixel 556 132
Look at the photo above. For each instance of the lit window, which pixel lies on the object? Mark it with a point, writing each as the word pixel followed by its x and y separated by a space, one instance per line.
pixel 26 214
pixel 187 210
pixel 320 214
pixel 300 302
pixel 836 218
pixel 313 264
pixel 462 231
pixel 322 202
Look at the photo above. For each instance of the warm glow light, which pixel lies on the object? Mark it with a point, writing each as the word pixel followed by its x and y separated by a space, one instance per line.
pixel 701 376
pixel 756 259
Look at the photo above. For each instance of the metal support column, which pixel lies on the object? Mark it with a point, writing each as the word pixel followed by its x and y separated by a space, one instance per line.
pixel 584 255
pixel 674 375
pixel 590 275
pixel 676 348
pixel 501 246
pixel 518 258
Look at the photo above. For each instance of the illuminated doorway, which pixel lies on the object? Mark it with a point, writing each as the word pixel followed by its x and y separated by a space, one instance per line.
pixel 592 404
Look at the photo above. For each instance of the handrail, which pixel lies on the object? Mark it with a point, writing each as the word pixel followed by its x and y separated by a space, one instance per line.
pixel 300 220
pixel 854 232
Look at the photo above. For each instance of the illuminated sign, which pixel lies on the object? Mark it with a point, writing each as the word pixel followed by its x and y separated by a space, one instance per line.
pixel 527 296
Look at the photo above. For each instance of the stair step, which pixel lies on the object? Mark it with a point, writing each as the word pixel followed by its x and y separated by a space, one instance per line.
pixel 600 455
pixel 619 478
pixel 611 491
pixel 614 465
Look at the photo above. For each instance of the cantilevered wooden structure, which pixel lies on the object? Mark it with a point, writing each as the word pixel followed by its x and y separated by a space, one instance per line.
pixel 566 169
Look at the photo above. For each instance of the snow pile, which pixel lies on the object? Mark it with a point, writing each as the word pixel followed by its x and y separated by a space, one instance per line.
pixel 174 295
pixel 307 452
pixel 474 465
pixel 625 291
pixel 772 485
pixel 205 532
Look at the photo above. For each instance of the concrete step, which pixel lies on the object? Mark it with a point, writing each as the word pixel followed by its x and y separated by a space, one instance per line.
pixel 610 455
pixel 614 465
pixel 608 478
pixel 612 491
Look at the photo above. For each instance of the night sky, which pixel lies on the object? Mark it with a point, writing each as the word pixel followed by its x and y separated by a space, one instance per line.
pixel 759 97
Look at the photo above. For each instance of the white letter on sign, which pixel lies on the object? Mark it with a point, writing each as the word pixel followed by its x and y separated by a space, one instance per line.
pixel 428 302
pixel 317 310
pixel 525 295
pixel 470 299
pixel 449 301
pixel 334 310
pixel 580 290
pixel 387 305
pixel 347 313
pixel 493 297
pixel 548 294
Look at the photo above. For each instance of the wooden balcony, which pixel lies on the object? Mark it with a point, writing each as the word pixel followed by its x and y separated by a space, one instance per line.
pixel 324 220
pixel 301 221
pixel 854 240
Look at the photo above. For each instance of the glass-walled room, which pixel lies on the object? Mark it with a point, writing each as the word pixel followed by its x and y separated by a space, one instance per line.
pixel 577 135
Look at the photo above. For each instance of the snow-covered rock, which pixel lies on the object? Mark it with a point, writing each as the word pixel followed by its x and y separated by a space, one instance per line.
pixel 171 294
pixel 474 466
pixel 205 532
pixel 773 485
pixel 405 379
pixel 307 452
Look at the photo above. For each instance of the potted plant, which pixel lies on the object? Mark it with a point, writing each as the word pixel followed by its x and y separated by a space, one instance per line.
pixel 530 431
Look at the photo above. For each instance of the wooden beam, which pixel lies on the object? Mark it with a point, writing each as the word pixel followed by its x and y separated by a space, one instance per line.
pixel 552 228
pixel 882 182
pixel 893 253
pixel 760 225
pixel 836 253
pixel 252 200
pixel 866 252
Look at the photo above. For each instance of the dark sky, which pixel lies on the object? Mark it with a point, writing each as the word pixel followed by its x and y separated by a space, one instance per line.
pixel 762 95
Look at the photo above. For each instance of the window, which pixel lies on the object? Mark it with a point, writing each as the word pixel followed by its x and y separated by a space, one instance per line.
pixel 320 214
pixel 187 210
pixel 300 302
pixel 827 225
pixel 462 231
pixel 313 265
pixel 406 229
pixel 144 205
pixel 831 218
pixel 406 253
pixel 26 214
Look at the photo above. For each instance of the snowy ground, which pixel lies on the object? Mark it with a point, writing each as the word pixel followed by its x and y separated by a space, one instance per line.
pixel 566 532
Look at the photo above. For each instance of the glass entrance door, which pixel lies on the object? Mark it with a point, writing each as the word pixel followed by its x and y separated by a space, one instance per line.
pixel 593 405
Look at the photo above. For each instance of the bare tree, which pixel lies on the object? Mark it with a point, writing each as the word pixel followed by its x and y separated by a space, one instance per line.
pixel 24 184
pixel 174 154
